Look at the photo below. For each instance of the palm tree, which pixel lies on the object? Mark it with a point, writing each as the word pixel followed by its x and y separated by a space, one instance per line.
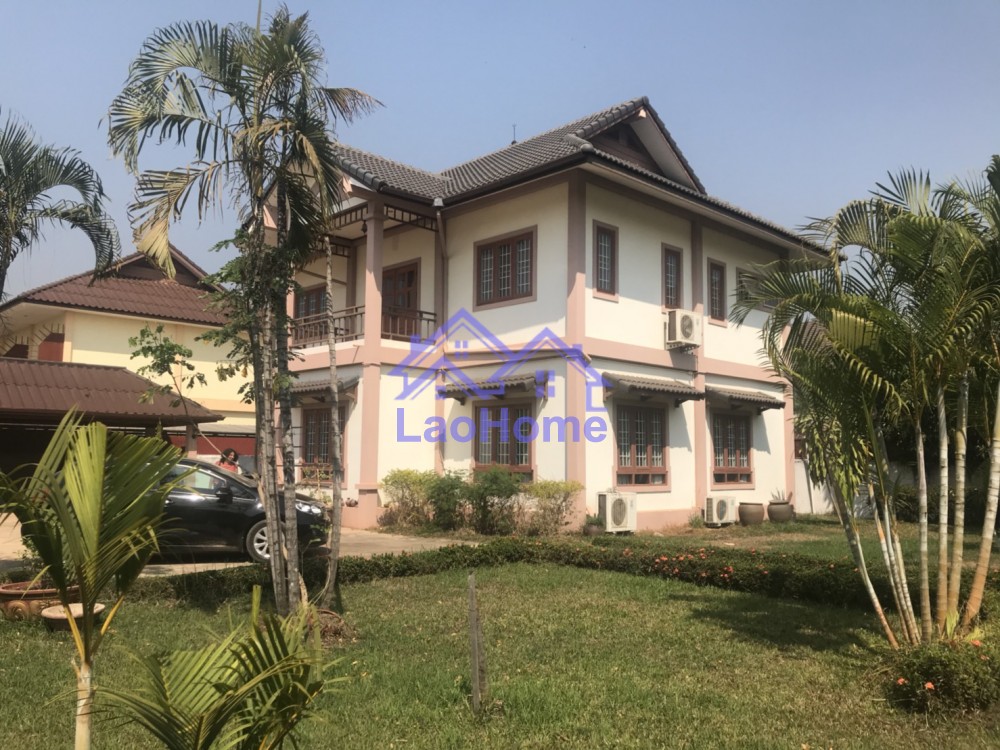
pixel 898 325
pixel 90 509
pixel 249 690
pixel 252 106
pixel 29 173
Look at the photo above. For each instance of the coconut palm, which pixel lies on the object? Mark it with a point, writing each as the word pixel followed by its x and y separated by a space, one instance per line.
pixel 252 107
pixel 90 508
pixel 29 174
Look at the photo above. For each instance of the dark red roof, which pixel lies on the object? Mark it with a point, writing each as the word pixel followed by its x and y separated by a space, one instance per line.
pixel 33 391
pixel 135 287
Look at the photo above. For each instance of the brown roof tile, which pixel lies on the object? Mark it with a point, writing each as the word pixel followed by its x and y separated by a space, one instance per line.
pixel 138 289
pixel 519 160
pixel 37 391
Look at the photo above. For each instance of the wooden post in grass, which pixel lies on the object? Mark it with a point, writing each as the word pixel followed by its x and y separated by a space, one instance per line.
pixel 480 683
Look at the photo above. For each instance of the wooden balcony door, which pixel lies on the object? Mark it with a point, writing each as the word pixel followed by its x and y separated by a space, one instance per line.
pixel 401 301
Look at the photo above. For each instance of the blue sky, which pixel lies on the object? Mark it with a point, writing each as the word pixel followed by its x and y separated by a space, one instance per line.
pixel 787 109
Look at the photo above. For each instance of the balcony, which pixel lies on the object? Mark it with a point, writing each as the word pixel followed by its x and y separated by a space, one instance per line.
pixel 398 323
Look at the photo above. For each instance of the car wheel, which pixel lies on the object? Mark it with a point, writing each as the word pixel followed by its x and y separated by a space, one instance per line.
pixel 257 544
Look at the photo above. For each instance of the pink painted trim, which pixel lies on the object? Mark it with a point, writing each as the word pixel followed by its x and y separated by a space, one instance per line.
pixel 576 309
pixel 719 323
pixel 697 269
pixel 373 280
pixel 533 232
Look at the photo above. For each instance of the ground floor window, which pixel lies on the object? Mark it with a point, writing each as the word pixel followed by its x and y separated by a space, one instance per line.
pixel 641 436
pixel 316 446
pixel 731 443
pixel 503 437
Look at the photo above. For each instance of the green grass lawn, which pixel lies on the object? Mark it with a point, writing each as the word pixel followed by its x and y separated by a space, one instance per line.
pixel 577 659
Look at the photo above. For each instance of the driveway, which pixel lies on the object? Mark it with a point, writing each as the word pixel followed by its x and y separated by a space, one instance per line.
pixel 354 542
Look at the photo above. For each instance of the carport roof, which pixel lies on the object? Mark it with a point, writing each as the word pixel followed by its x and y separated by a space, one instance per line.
pixel 38 392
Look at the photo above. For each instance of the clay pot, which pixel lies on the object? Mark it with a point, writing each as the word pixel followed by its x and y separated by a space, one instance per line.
pixel 25 600
pixel 780 512
pixel 751 514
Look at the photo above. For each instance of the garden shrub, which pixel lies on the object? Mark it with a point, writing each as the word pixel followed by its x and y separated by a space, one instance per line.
pixel 493 500
pixel 447 496
pixel 950 676
pixel 406 490
pixel 553 502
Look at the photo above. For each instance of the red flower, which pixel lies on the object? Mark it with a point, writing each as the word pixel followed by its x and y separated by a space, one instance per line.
pixel 901 681
pixel 929 685
pixel 977 644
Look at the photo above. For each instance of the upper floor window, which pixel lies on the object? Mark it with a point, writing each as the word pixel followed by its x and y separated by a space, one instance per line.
pixel 502 440
pixel 605 259
pixel 716 291
pixel 310 302
pixel 731 442
pixel 671 277
pixel 505 269
pixel 640 432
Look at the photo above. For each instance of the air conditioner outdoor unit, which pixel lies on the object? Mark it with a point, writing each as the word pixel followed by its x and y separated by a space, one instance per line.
pixel 682 328
pixel 617 510
pixel 720 510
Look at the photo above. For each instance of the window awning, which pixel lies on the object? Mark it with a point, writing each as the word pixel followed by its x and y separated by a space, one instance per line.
pixel 492 388
pixel 320 389
pixel 757 399
pixel 648 387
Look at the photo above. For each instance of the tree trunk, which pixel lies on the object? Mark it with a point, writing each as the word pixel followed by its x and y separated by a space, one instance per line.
pixel 268 478
pixel 84 705
pixel 290 549
pixel 941 613
pixel 957 551
pixel 926 618
pixel 854 541
pixel 978 586
pixel 336 469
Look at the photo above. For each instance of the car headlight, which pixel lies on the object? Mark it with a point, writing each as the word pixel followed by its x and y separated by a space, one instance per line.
pixel 313 510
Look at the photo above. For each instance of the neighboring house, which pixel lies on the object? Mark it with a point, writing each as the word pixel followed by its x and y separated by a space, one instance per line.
pixel 578 281
pixel 76 321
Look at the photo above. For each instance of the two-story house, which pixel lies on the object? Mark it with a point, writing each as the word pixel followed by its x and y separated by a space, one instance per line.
pixel 73 320
pixel 558 307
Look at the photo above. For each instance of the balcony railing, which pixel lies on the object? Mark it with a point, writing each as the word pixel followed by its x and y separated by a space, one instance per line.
pixel 348 324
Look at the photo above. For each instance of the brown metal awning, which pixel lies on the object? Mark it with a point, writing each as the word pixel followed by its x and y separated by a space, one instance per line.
pixel 40 392
pixel 757 399
pixel 646 387
pixel 495 388
pixel 320 389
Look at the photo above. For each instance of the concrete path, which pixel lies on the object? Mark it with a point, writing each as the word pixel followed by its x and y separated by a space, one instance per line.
pixel 353 542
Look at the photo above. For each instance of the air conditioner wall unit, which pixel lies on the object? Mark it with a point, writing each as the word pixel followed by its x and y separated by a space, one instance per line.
pixel 617 510
pixel 682 329
pixel 720 510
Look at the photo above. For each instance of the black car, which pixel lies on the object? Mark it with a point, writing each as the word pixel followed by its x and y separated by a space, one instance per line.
pixel 212 508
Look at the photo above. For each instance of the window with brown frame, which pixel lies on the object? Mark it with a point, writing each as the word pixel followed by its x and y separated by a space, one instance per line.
pixel 717 291
pixel 504 269
pixel 671 277
pixel 641 437
pixel 498 444
pixel 731 442
pixel 316 448
pixel 310 302
pixel 605 259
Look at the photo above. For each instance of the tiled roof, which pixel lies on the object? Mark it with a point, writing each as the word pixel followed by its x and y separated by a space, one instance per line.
pixel 33 390
pixel 521 160
pixel 159 298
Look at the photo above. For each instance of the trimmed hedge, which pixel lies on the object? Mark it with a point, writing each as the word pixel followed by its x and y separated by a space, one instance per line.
pixel 775 574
